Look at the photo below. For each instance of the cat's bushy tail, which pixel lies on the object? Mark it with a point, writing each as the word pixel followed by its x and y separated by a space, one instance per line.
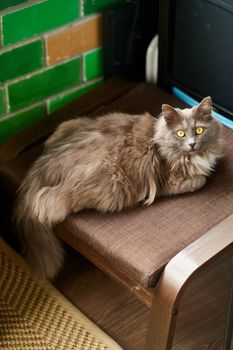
pixel 35 214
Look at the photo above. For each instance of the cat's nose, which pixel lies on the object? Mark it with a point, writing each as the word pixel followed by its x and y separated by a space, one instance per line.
pixel 192 145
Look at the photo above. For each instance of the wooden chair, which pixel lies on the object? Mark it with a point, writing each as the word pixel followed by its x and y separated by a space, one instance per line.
pixel 174 256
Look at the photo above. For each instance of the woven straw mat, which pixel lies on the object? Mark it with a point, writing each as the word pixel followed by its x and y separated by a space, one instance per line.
pixel 35 316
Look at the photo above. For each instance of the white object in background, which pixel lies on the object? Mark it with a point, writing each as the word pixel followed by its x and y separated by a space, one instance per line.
pixel 152 60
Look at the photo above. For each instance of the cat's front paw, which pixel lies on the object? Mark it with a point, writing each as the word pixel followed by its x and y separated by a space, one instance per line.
pixel 198 182
pixel 192 184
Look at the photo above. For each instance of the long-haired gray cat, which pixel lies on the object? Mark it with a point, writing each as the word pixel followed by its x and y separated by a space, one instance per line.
pixel 111 163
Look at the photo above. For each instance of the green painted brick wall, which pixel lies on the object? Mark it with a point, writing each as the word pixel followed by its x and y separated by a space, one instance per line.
pixel 94 64
pixel 37 18
pixel 30 87
pixel 44 84
pixel 21 60
pixel 18 121
pixel 60 101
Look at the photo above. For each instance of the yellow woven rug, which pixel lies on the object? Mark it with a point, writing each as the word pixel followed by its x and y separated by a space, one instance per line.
pixel 35 316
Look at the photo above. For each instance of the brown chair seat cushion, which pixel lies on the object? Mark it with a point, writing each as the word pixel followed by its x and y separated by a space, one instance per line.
pixel 140 242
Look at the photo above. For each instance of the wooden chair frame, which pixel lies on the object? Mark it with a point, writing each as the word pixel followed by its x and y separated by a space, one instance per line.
pixel 180 275
pixel 212 254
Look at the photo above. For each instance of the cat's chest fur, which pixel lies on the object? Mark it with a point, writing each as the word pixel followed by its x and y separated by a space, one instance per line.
pixel 197 164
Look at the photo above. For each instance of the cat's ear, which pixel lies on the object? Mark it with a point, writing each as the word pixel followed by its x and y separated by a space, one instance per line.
pixel 170 114
pixel 204 109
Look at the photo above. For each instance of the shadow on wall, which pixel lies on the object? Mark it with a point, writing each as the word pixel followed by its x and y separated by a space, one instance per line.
pixel 128 31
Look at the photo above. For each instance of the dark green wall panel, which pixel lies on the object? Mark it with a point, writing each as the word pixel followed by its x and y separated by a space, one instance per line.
pixel 91 6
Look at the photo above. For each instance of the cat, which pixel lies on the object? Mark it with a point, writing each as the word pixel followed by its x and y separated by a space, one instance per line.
pixel 111 163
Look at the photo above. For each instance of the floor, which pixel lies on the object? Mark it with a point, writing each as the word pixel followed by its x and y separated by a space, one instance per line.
pixel 104 301
pixel 125 319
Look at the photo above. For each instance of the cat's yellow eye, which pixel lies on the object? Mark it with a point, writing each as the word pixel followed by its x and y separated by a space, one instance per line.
pixel 180 133
pixel 199 130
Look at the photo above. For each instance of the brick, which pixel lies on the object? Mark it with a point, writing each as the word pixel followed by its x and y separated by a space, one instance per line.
pixel 21 60
pixel 11 125
pixel 44 84
pixel 37 18
pixel 5 4
pixel 79 38
pixel 90 6
pixel 94 64
pixel 2 102
pixel 60 101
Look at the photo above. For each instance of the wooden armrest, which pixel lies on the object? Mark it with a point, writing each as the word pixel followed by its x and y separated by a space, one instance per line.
pixel 209 253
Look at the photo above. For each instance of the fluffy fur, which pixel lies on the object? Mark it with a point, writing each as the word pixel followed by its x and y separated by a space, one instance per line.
pixel 111 163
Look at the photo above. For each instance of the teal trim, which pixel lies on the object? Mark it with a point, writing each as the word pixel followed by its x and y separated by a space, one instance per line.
pixel 192 102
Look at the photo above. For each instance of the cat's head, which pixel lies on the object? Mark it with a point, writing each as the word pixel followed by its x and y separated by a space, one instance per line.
pixel 190 130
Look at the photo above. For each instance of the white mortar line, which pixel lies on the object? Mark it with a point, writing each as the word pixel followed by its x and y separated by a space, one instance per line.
pixel 9 48
pixel 44 41
pixel 40 70
pixel 19 7
pixel 71 24
pixel 25 109
pixel 48 67
pixel 81 8
pixel 46 34
pixel 7 100
pixel 49 98
pixel 75 88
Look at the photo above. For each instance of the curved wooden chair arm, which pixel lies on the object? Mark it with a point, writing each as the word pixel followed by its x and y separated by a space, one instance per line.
pixel 178 275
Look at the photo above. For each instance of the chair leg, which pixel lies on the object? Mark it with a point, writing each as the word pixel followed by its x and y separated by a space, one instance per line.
pixel 162 320
pixel 191 303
